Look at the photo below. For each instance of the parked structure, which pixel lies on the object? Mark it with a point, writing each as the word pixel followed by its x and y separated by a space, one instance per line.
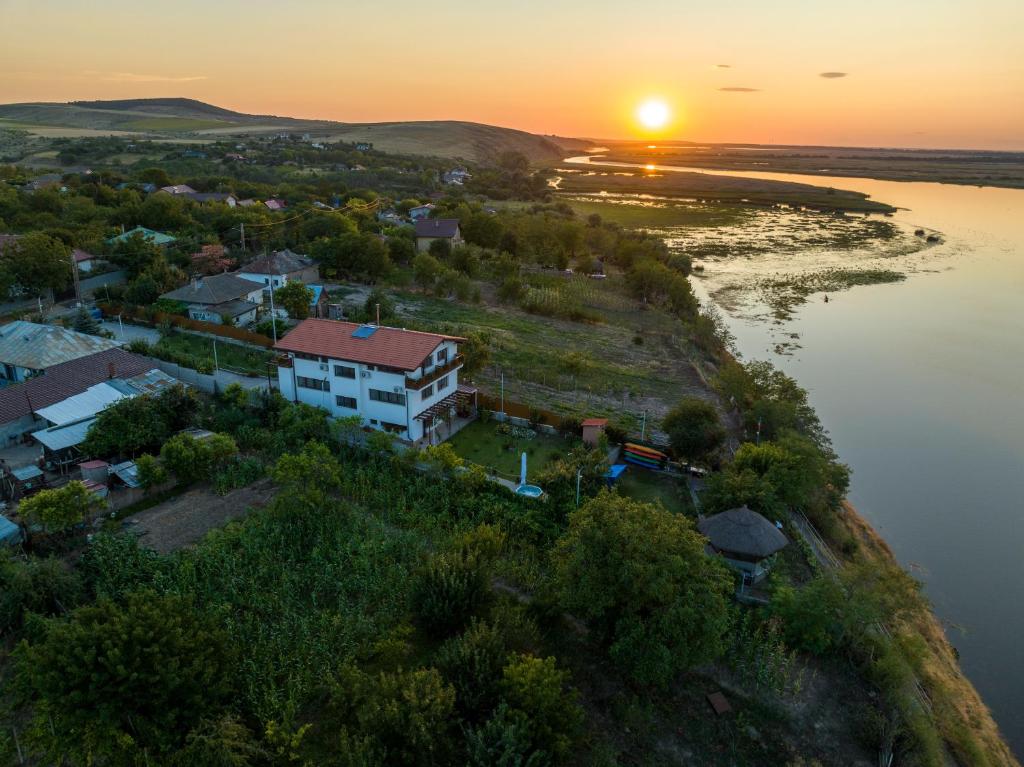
pixel 220 296
pixel 395 380
pixel 744 539
pixel 28 348
pixel 430 229
pixel 421 211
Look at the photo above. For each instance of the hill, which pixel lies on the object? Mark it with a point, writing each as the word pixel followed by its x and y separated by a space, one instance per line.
pixel 179 117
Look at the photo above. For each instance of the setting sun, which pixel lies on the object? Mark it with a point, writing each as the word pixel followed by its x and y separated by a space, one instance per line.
pixel 653 113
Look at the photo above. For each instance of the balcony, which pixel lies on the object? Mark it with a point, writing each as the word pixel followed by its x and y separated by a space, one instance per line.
pixel 439 372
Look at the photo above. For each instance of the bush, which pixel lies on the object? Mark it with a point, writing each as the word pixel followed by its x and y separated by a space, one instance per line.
pixel 151 471
pixel 810 615
pixel 694 429
pixel 504 740
pixel 535 690
pixel 406 715
pixel 472 663
pixel 60 509
pixel 449 590
pixel 37 585
pixel 193 460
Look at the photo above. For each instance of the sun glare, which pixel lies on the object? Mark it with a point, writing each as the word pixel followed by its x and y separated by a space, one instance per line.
pixel 653 113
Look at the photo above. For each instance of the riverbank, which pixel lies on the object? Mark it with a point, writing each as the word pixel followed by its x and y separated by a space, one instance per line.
pixel 963 721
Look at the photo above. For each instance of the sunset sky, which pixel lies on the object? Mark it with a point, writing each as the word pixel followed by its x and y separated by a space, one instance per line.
pixel 931 74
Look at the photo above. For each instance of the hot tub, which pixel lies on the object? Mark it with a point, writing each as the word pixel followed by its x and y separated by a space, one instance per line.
pixel 530 491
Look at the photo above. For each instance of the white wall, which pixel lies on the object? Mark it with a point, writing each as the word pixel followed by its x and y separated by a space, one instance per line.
pixel 280 280
pixel 359 389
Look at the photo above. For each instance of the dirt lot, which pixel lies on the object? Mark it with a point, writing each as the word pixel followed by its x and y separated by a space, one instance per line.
pixel 182 521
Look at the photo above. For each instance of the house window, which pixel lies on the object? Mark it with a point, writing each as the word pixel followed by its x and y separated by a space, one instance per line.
pixel 442 384
pixel 266 280
pixel 427 393
pixel 344 371
pixel 442 356
pixel 395 428
pixel 348 402
pixel 311 383
pixel 392 398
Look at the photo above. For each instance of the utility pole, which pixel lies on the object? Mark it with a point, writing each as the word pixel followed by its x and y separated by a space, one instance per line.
pixel 74 276
pixel 273 314
pixel 643 427
pixel 242 225
pixel 503 396
pixel 216 365
pixel 579 476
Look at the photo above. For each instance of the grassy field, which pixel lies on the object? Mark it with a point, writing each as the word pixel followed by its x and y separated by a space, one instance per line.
pixel 172 124
pixel 606 372
pixel 230 356
pixel 654 487
pixel 482 444
pixel 633 212
pixel 714 188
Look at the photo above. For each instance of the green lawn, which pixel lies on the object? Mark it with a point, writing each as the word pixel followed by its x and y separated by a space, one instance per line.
pixel 651 487
pixel 481 443
pixel 230 356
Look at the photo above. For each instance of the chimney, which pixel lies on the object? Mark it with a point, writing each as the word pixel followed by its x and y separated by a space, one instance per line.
pixel 111 371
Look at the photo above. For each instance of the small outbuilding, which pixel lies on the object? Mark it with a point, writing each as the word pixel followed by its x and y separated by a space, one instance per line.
pixel 745 539
pixel 593 428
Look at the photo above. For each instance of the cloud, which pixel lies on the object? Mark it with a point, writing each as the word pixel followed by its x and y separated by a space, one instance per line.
pixel 133 77
pixel 740 90
pixel 832 75
pixel 724 66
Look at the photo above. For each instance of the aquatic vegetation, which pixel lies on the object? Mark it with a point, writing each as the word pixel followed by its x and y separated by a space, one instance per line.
pixel 784 293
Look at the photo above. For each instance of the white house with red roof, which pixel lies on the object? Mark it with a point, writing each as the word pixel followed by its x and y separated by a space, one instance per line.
pixel 402 381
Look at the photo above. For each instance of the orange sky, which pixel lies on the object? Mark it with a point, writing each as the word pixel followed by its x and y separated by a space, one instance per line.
pixel 938 74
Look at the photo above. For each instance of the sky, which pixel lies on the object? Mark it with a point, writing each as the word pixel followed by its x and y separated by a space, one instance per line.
pixel 910 73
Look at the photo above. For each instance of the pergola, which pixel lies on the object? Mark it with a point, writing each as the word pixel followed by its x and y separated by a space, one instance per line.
pixel 443 408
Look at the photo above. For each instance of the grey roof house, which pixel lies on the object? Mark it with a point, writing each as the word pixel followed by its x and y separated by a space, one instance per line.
pixel 28 348
pixel 213 298
pixel 430 229
pixel 280 267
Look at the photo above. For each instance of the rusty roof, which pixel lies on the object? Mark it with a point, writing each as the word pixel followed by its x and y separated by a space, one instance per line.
pixel 66 380
pixel 391 347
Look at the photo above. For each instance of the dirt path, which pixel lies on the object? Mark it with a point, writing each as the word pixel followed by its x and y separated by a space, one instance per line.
pixel 182 521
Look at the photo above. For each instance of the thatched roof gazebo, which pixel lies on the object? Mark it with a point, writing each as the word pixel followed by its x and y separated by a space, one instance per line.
pixel 744 538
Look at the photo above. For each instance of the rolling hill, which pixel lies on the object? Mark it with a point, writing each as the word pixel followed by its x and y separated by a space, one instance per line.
pixel 196 120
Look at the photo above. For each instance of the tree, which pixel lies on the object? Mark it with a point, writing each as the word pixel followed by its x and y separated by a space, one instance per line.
pixel 472 663
pixel 37 262
pixel 535 691
pixel 295 298
pixel 193 460
pixel 450 589
pixel 440 248
pixel 60 509
pixel 140 423
pixel 36 585
pixel 124 684
pixel 476 351
pixel 378 299
pixel 638 575
pixel 426 270
pixel 85 322
pixel 694 429
pixel 407 714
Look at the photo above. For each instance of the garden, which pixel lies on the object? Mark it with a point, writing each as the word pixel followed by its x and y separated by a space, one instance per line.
pixel 498 447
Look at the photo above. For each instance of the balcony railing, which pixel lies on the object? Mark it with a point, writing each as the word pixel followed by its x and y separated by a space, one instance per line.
pixel 428 378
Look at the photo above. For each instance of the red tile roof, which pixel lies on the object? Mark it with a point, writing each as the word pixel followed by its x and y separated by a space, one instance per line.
pixel 66 380
pixel 391 347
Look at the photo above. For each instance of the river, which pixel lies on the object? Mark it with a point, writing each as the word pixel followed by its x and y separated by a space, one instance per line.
pixel 921 386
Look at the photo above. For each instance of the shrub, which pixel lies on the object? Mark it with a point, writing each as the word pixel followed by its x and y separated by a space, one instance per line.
pixel 151 471
pixel 449 590
pixel 60 509
pixel 193 460
pixel 503 740
pixel 472 663
pixel 535 690
pixel 810 615
pixel 37 585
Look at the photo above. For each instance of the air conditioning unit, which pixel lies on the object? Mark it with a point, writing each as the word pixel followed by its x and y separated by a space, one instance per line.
pixel 364 374
pixel 398 390
pixel 324 366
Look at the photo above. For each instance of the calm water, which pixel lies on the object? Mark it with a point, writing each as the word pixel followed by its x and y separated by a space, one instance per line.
pixel 921 385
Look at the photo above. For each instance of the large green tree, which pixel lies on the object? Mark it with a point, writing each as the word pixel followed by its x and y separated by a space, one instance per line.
pixel 694 429
pixel 36 262
pixel 124 684
pixel 60 508
pixel 638 575
pixel 295 298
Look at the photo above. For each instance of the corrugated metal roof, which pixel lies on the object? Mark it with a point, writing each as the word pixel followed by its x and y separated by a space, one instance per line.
pixel 157 238
pixel 85 405
pixel 61 437
pixel 37 347
pixel 24 473
pixel 10 533
pixel 127 472
pixel 66 380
